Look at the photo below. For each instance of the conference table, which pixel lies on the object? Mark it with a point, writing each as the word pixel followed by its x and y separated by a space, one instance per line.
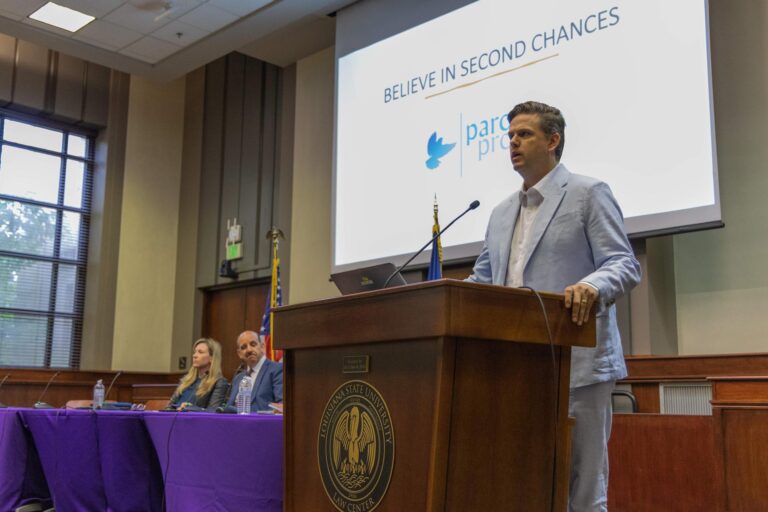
pixel 136 461
pixel 21 475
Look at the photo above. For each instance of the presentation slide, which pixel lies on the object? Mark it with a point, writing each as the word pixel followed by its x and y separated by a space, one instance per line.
pixel 422 115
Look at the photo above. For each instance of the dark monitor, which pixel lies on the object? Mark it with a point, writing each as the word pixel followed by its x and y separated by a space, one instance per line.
pixel 367 279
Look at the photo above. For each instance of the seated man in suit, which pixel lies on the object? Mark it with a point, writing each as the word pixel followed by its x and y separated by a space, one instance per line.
pixel 266 375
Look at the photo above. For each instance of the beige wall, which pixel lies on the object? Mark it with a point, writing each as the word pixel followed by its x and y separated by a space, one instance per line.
pixel 312 177
pixel 187 306
pixel 103 244
pixel 721 275
pixel 149 227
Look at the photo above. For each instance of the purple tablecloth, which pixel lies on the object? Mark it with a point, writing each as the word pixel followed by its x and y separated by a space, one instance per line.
pixel 219 462
pixel 97 461
pixel 115 461
pixel 129 466
pixel 21 475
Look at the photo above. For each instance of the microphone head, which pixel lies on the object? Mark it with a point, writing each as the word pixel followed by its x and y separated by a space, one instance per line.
pixel 474 204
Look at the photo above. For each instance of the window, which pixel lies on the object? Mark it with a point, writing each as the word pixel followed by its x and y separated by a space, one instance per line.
pixel 45 198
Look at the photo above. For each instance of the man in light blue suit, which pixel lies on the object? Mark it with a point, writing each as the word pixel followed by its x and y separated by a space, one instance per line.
pixel 564 233
pixel 266 375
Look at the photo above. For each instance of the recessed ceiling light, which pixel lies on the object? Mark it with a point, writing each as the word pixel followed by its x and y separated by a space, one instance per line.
pixel 62 17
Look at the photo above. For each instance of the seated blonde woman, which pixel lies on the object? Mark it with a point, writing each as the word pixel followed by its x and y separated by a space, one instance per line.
pixel 203 386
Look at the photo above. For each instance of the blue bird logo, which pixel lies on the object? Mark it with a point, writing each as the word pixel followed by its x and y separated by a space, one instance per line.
pixel 436 150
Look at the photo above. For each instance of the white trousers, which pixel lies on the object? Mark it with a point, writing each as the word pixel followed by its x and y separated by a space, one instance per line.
pixel 591 406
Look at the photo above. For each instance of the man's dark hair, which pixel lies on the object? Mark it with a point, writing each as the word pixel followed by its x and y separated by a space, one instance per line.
pixel 551 120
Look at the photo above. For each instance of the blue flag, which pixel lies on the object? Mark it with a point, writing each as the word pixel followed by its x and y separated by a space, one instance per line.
pixel 436 260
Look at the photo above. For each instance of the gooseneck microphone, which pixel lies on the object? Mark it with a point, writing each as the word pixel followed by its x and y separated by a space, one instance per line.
pixel 40 404
pixel 474 204
pixel 2 405
pixel 110 406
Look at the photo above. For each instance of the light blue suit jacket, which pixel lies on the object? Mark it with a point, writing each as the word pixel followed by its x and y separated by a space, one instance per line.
pixel 577 235
pixel 267 388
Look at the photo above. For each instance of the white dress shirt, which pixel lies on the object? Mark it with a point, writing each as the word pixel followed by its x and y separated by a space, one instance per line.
pixel 530 200
pixel 254 372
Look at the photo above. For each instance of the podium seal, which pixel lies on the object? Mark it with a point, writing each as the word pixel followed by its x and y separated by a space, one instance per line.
pixel 356 447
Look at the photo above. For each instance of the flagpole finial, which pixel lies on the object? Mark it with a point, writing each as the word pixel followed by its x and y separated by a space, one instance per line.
pixel 434 207
pixel 275 233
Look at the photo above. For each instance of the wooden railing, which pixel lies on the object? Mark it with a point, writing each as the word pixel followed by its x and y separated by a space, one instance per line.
pixel 24 386
pixel 681 463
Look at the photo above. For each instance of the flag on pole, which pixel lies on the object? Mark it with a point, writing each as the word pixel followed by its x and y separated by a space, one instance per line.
pixel 436 260
pixel 274 299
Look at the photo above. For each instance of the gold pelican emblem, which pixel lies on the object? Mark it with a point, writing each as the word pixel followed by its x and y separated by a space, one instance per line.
pixel 354 448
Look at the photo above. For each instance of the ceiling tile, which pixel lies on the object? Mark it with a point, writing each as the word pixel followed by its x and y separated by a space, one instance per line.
pixel 240 7
pixel 107 35
pixel 47 27
pixel 97 8
pixel 171 31
pixel 11 15
pixel 145 19
pixel 21 8
pixel 208 17
pixel 181 7
pixel 150 49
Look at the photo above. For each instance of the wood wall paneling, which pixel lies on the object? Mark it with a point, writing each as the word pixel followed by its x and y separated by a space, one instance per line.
pixel 25 386
pixel 666 367
pixel 239 165
pixel 223 320
pixel 36 80
pixel 70 83
pixel 95 112
pixel 740 390
pixel 255 303
pixel 250 171
pixel 143 392
pixel 31 77
pixel 210 179
pixel 7 67
pixel 717 462
pixel 234 117
pixel 664 462
pixel 227 313
pixel 268 164
pixel 647 396
pixel 745 456
pixel 461 271
pixel 283 184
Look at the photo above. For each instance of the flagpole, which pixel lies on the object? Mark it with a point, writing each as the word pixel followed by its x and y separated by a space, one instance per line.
pixel 274 234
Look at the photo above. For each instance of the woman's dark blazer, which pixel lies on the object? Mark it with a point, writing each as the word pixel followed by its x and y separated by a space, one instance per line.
pixel 215 397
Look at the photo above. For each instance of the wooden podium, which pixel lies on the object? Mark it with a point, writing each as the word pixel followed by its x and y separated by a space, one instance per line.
pixel 476 396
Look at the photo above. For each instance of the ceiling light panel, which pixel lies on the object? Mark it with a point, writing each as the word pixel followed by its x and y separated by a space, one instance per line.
pixel 98 8
pixel 61 17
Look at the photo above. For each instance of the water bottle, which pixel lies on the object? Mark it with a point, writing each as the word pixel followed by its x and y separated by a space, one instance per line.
pixel 243 400
pixel 98 395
